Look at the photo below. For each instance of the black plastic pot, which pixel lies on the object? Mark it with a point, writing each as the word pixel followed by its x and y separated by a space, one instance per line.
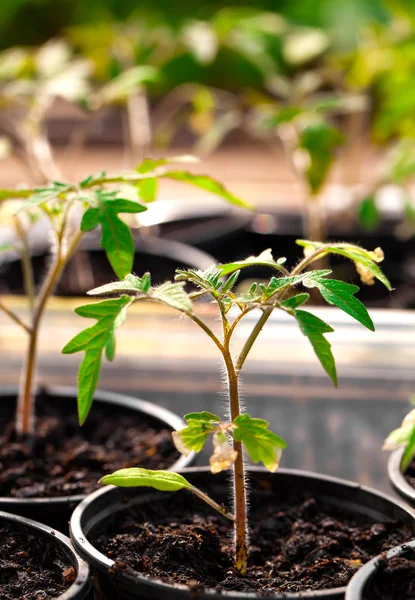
pixel 81 587
pixel 359 582
pixel 56 512
pixel 398 481
pixel 89 517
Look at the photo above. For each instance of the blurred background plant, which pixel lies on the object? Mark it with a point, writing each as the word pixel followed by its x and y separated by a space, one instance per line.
pixel 325 83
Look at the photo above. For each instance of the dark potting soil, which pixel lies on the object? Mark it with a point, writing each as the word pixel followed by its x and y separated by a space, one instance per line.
pixel 297 543
pixel 67 459
pixel 410 474
pixel 394 579
pixel 30 566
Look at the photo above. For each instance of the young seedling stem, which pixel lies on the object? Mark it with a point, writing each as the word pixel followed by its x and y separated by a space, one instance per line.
pixel 242 430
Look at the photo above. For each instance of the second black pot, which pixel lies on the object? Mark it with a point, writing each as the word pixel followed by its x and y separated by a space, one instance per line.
pixel 90 517
pixel 358 586
pixel 81 586
pixel 397 479
pixel 56 511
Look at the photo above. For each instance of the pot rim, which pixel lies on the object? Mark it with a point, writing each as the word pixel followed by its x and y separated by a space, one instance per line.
pixel 103 563
pixel 81 583
pixel 396 477
pixel 148 408
pixel 359 580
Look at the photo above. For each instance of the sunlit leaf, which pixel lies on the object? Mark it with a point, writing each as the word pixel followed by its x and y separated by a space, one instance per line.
pixel 93 341
pixel 366 258
pixel 342 295
pixel 295 301
pixel 314 328
pixel 165 481
pixel 116 236
pixel 194 436
pixel 262 444
pixel 265 259
pixel 139 288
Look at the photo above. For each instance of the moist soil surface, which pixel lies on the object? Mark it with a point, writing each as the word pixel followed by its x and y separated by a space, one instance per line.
pixel 30 566
pixel 410 474
pixel 394 579
pixel 66 459
pixel 297 543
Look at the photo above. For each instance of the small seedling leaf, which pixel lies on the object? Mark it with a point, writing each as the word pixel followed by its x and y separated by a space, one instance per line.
pixel 295 301
pixel 206 280
pixel 131 284
pixel 261 444
pixel 264 259
pixel 342 295
pixel 314 328
pixel 139 288
pixel 93 341
pixel 203 416
pixel 173 295
pixel 165 481
pixel 194 436
pixel 116 237
pixel 230 282
pixel 43 195
pixel 367 259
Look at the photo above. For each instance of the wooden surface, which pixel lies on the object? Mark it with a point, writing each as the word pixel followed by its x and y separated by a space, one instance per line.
pixel 166 359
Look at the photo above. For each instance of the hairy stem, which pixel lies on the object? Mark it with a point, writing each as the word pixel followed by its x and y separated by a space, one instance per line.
pixel 240 510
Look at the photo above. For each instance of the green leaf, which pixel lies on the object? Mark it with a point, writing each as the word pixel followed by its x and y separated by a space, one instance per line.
pixel 206 280
pixel 208 184
pixel 277 284
pixel 194 436
pixel 93 341
pixel 354 253
pixel 264 259
pixel 116 235
pixel 295 301
pixel 201 416
pixel 341 294
pixel 165 481
pixel 314 328
pixel 230 282
pixel 173 295
pixel 262 444
pixel 169 293
pixel 131 284
pixel 319 139
pixel 368 214
pixel 44 195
